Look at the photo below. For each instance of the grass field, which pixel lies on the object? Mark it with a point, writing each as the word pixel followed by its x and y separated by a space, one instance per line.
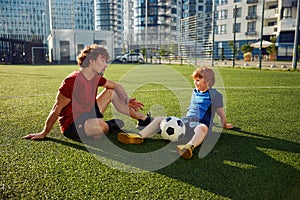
pixel 259 159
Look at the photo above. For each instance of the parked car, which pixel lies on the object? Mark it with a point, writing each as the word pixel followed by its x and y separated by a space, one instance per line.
pixel 131 57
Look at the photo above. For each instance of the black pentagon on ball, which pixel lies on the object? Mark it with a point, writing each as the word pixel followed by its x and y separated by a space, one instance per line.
pixel 180 123
pixel 168 119
pixel 170 130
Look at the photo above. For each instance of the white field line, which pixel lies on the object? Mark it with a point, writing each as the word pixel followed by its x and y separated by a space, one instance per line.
pixel 164 89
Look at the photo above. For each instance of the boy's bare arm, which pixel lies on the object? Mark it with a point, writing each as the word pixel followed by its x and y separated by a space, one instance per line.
pixel 221 114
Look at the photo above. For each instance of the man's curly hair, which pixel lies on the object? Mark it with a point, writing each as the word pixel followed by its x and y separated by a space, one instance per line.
pixel 91 52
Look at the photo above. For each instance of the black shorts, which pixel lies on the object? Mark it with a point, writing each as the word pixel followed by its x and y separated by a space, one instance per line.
pixel 76 130
pixel 190 128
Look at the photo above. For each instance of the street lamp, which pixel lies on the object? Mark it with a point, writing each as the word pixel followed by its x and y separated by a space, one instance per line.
pixel 295 53
pixel 261 33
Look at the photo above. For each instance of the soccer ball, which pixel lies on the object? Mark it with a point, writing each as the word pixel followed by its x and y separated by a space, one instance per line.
pixel 172 128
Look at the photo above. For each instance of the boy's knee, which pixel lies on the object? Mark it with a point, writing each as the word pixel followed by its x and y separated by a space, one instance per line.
pixel 201 128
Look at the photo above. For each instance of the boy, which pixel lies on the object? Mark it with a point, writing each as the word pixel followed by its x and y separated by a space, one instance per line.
pixel 205 101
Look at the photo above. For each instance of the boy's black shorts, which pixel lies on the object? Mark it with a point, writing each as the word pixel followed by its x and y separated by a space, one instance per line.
pixel 76 130
pixel 190 126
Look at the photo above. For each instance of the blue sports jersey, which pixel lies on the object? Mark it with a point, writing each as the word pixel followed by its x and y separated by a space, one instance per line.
pixel 203 106
pixel 200 107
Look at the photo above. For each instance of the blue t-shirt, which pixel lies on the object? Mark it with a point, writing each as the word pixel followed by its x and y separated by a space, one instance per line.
pixel 203 105
pixel 199 109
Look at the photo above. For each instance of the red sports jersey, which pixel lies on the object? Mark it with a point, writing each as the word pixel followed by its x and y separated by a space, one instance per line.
pixel 82 93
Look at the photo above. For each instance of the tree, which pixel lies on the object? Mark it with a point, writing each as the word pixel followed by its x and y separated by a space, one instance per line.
pixel 230 44
pixel 247 50
pixel 271 50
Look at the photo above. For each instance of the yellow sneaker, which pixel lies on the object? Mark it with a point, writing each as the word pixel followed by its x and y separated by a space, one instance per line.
pixel 130 138
pixel 185 150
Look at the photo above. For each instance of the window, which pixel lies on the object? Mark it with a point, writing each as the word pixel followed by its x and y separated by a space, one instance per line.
pixel 100 42
pixel 223 14
pixel 79 48
pixel 237 28
pixel 235 1
pixel 222 29
pixel 252 10
pixel 223 2
pixel 238 12
pixel 251 27
pixel 273 23
pixel 287 12
pixel 285 51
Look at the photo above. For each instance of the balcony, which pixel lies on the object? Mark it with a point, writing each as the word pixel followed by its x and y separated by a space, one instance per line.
pixel 252 1
pixel 271 13
pixel 251 33
pixel 251 17
pixel 287 24
pixel 270 30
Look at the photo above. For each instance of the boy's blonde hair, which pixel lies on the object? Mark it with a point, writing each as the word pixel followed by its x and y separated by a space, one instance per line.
pixel 207 74
pixel 91 52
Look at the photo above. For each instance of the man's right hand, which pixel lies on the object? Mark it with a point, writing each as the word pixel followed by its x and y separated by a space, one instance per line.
pixel 35 136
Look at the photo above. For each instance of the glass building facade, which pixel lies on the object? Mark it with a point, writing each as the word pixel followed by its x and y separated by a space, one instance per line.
pixel 109 17
pixel 24 19
pixel 72 14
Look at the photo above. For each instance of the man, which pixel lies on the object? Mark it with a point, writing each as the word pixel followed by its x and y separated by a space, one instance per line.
pixel 80 110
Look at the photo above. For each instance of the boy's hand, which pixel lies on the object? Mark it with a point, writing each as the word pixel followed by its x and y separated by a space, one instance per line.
pixel 228 126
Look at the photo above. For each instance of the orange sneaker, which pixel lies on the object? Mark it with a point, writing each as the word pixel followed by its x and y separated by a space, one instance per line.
pixel 185 151
pixel 130 138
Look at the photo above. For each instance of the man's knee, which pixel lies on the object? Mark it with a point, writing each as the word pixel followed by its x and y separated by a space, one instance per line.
pixel 96 128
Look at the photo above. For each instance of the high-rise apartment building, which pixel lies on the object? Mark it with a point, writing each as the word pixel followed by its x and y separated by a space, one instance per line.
pixel 24 24
pixel 109 15
pixel 151 24
pixel 72 14
pixel 287 14
pixel 24 19
pixel 278 20
pixel 156 23
pixel 72 26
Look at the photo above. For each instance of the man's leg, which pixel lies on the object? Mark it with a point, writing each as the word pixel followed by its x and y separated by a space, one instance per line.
pixel 87 125
pixel 96 128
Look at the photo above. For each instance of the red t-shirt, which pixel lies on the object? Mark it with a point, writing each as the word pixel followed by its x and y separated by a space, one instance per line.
pixel 82 93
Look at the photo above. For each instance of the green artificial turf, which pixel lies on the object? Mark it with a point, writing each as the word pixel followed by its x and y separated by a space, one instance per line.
pixel 258 159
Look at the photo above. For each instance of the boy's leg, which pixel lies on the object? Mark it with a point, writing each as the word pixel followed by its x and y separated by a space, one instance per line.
pixel 186 150
pixel 200 133
pixel 152 128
